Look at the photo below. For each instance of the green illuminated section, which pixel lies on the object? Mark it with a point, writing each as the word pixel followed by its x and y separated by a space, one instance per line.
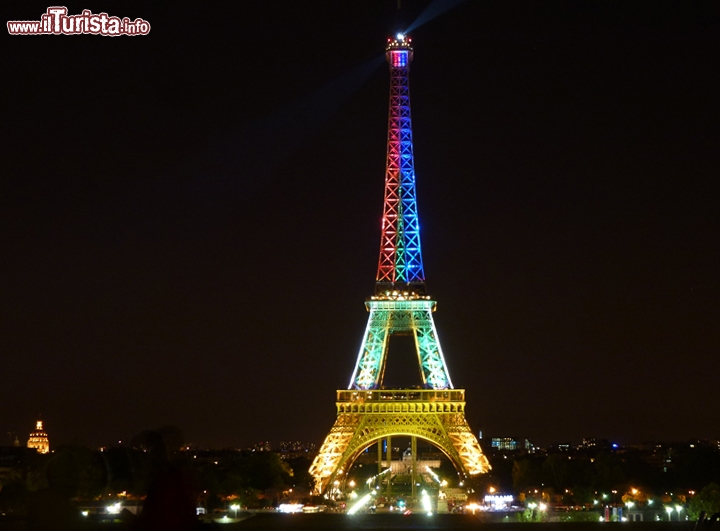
pixel 400 250
pixel 371 360
pixel 400 316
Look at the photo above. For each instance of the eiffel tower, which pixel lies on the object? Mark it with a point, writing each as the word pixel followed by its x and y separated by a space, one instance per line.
pixel 366 411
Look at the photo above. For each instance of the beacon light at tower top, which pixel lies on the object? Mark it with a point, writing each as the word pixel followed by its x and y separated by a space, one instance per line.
pixel 399 41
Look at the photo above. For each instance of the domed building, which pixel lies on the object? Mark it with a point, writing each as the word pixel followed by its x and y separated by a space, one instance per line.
pixel 39 439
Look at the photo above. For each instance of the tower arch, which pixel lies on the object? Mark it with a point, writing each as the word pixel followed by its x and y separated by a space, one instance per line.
pixel 367 416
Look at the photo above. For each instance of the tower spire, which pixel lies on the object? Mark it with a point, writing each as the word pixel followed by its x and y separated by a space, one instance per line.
pixel 400 266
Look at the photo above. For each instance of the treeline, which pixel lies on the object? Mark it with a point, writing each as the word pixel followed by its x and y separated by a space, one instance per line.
pixel 252 479
pixel 662 474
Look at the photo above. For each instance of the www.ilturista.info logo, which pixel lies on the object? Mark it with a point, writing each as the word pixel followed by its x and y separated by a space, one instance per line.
pixel 56 21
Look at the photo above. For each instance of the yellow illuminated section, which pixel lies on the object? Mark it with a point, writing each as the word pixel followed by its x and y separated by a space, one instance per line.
pixel 39 439
pixel 438 416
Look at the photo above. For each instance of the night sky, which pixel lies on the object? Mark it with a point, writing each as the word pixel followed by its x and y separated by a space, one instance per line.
pixel 190 220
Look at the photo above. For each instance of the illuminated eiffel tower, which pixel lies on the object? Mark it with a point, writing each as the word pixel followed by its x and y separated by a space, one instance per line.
pixel 366 412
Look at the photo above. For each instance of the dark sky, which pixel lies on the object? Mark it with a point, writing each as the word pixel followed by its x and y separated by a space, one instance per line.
pixel 189 220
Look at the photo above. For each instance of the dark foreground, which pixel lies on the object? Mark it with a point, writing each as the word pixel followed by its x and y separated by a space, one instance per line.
pixel 445 522
pixel 380 522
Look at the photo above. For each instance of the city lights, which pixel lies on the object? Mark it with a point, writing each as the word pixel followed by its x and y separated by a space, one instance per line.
pixel 427 507
pixel 290 508
pixel 498 502
pixel 472 507
pixel 114 508
pixel 235 507
pixel 679 509
pixel 362 502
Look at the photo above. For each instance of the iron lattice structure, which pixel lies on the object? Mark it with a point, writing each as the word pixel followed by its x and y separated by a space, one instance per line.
pixel 394 314
pixel 400 261
pixel 366 412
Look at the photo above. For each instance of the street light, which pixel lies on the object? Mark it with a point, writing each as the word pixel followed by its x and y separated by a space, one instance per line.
pixel 678 508
pixel 669 511
pixel 235 507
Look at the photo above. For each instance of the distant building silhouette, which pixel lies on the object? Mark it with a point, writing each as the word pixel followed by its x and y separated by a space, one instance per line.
pixel 504 443
pixel 296 446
